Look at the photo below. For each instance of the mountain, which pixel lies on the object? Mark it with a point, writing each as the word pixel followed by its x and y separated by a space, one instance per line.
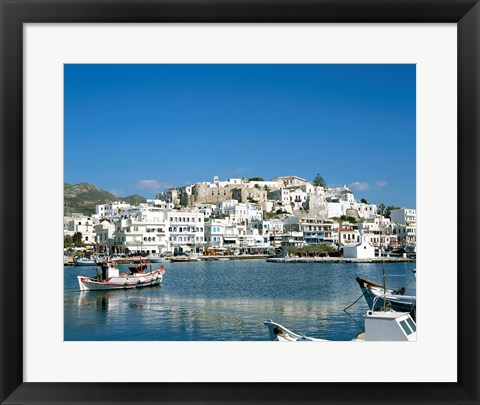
pixel 83 198
pixel 134 199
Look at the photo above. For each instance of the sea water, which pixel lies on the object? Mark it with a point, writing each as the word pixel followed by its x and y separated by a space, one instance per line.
pixel 228 301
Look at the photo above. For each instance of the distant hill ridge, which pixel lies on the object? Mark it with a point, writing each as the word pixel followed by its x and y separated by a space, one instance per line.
pixel 83 198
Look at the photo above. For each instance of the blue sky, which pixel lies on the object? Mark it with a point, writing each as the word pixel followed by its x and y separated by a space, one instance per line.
pixel 142 128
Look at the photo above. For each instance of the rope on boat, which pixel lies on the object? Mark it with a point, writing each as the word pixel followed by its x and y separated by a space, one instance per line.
pixel 345 309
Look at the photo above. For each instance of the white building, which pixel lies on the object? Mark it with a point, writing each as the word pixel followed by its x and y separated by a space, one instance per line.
pixel 83 224
pixel 215 232
pixel 298 199
pixel 222 206
pixel 361 250
pixel 239 212
pixel 185 231
pixel 293 239
pixel 105 235
pixel 141 229
pixel 111 209
pixel 406 221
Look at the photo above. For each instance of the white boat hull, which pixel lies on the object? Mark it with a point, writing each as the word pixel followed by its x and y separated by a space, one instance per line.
pixel 84 263
pixel 380 326
pixel 122 282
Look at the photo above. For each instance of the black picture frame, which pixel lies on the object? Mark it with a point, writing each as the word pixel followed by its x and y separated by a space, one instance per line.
pixel 465 13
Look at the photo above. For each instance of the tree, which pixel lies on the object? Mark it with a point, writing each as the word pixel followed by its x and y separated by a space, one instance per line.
pixel 256 179
pixel 67 241
pixel 363 201
pixel 381 209
pixel 350 219
pixel 319 181
pixel 389 209
pixel 77 239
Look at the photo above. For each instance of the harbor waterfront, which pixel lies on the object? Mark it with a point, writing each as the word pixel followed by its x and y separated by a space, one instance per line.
pixel 229 301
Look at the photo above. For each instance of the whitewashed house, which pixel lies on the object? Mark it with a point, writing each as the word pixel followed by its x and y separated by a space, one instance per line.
pixel 104 235
pixel 406 221
pixel 215 232
pixel 185 231
pixel 141 230
pixel 361 250
pixel 83 224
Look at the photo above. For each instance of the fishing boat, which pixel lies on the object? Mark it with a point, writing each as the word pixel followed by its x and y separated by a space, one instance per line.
pixel 157 259
pixel 110 278
pixel 380 326
pixel 85 261
pixel 378 297
pixel 179 259
pixel 138 268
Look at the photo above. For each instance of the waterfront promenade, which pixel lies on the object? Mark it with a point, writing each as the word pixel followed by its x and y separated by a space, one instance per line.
pixel 338 260
pixel 69 261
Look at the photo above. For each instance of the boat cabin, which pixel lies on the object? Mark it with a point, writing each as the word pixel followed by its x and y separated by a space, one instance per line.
pixel 389 326
pixel 109 270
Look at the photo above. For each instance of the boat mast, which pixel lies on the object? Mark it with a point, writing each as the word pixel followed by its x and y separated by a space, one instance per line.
pixel 384 275
pixel 384 288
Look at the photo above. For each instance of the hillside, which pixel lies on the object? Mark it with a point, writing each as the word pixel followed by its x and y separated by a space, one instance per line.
pixel 83 198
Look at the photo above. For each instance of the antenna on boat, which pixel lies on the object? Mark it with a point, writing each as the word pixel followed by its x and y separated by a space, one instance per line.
pixel 384 274
pixel 384 288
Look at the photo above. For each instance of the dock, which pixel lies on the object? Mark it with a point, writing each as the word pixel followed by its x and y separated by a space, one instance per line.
pixel 338 260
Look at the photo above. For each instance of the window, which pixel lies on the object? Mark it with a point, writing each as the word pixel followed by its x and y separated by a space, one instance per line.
pixel 405 327
pixel 411 324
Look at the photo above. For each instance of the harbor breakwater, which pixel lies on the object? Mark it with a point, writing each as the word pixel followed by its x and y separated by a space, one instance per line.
pixel 338 260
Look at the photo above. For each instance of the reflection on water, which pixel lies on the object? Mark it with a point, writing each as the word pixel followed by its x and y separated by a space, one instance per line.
pixel 228 301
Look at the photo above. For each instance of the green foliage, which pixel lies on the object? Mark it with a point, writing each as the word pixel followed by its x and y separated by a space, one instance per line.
pixel 348 218
pixel 386 211
pixel 67 241
pixel 363 201
pixel 77 239
pixel 319 181
pixel 381 209
pixel 256 179
pixel 322 249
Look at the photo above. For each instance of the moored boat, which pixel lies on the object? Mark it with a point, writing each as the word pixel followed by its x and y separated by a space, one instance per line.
pixel 157 259
pixel 85 261
pixel 380 326
pixel 378 297
pixel 110 278
pixel 179 259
